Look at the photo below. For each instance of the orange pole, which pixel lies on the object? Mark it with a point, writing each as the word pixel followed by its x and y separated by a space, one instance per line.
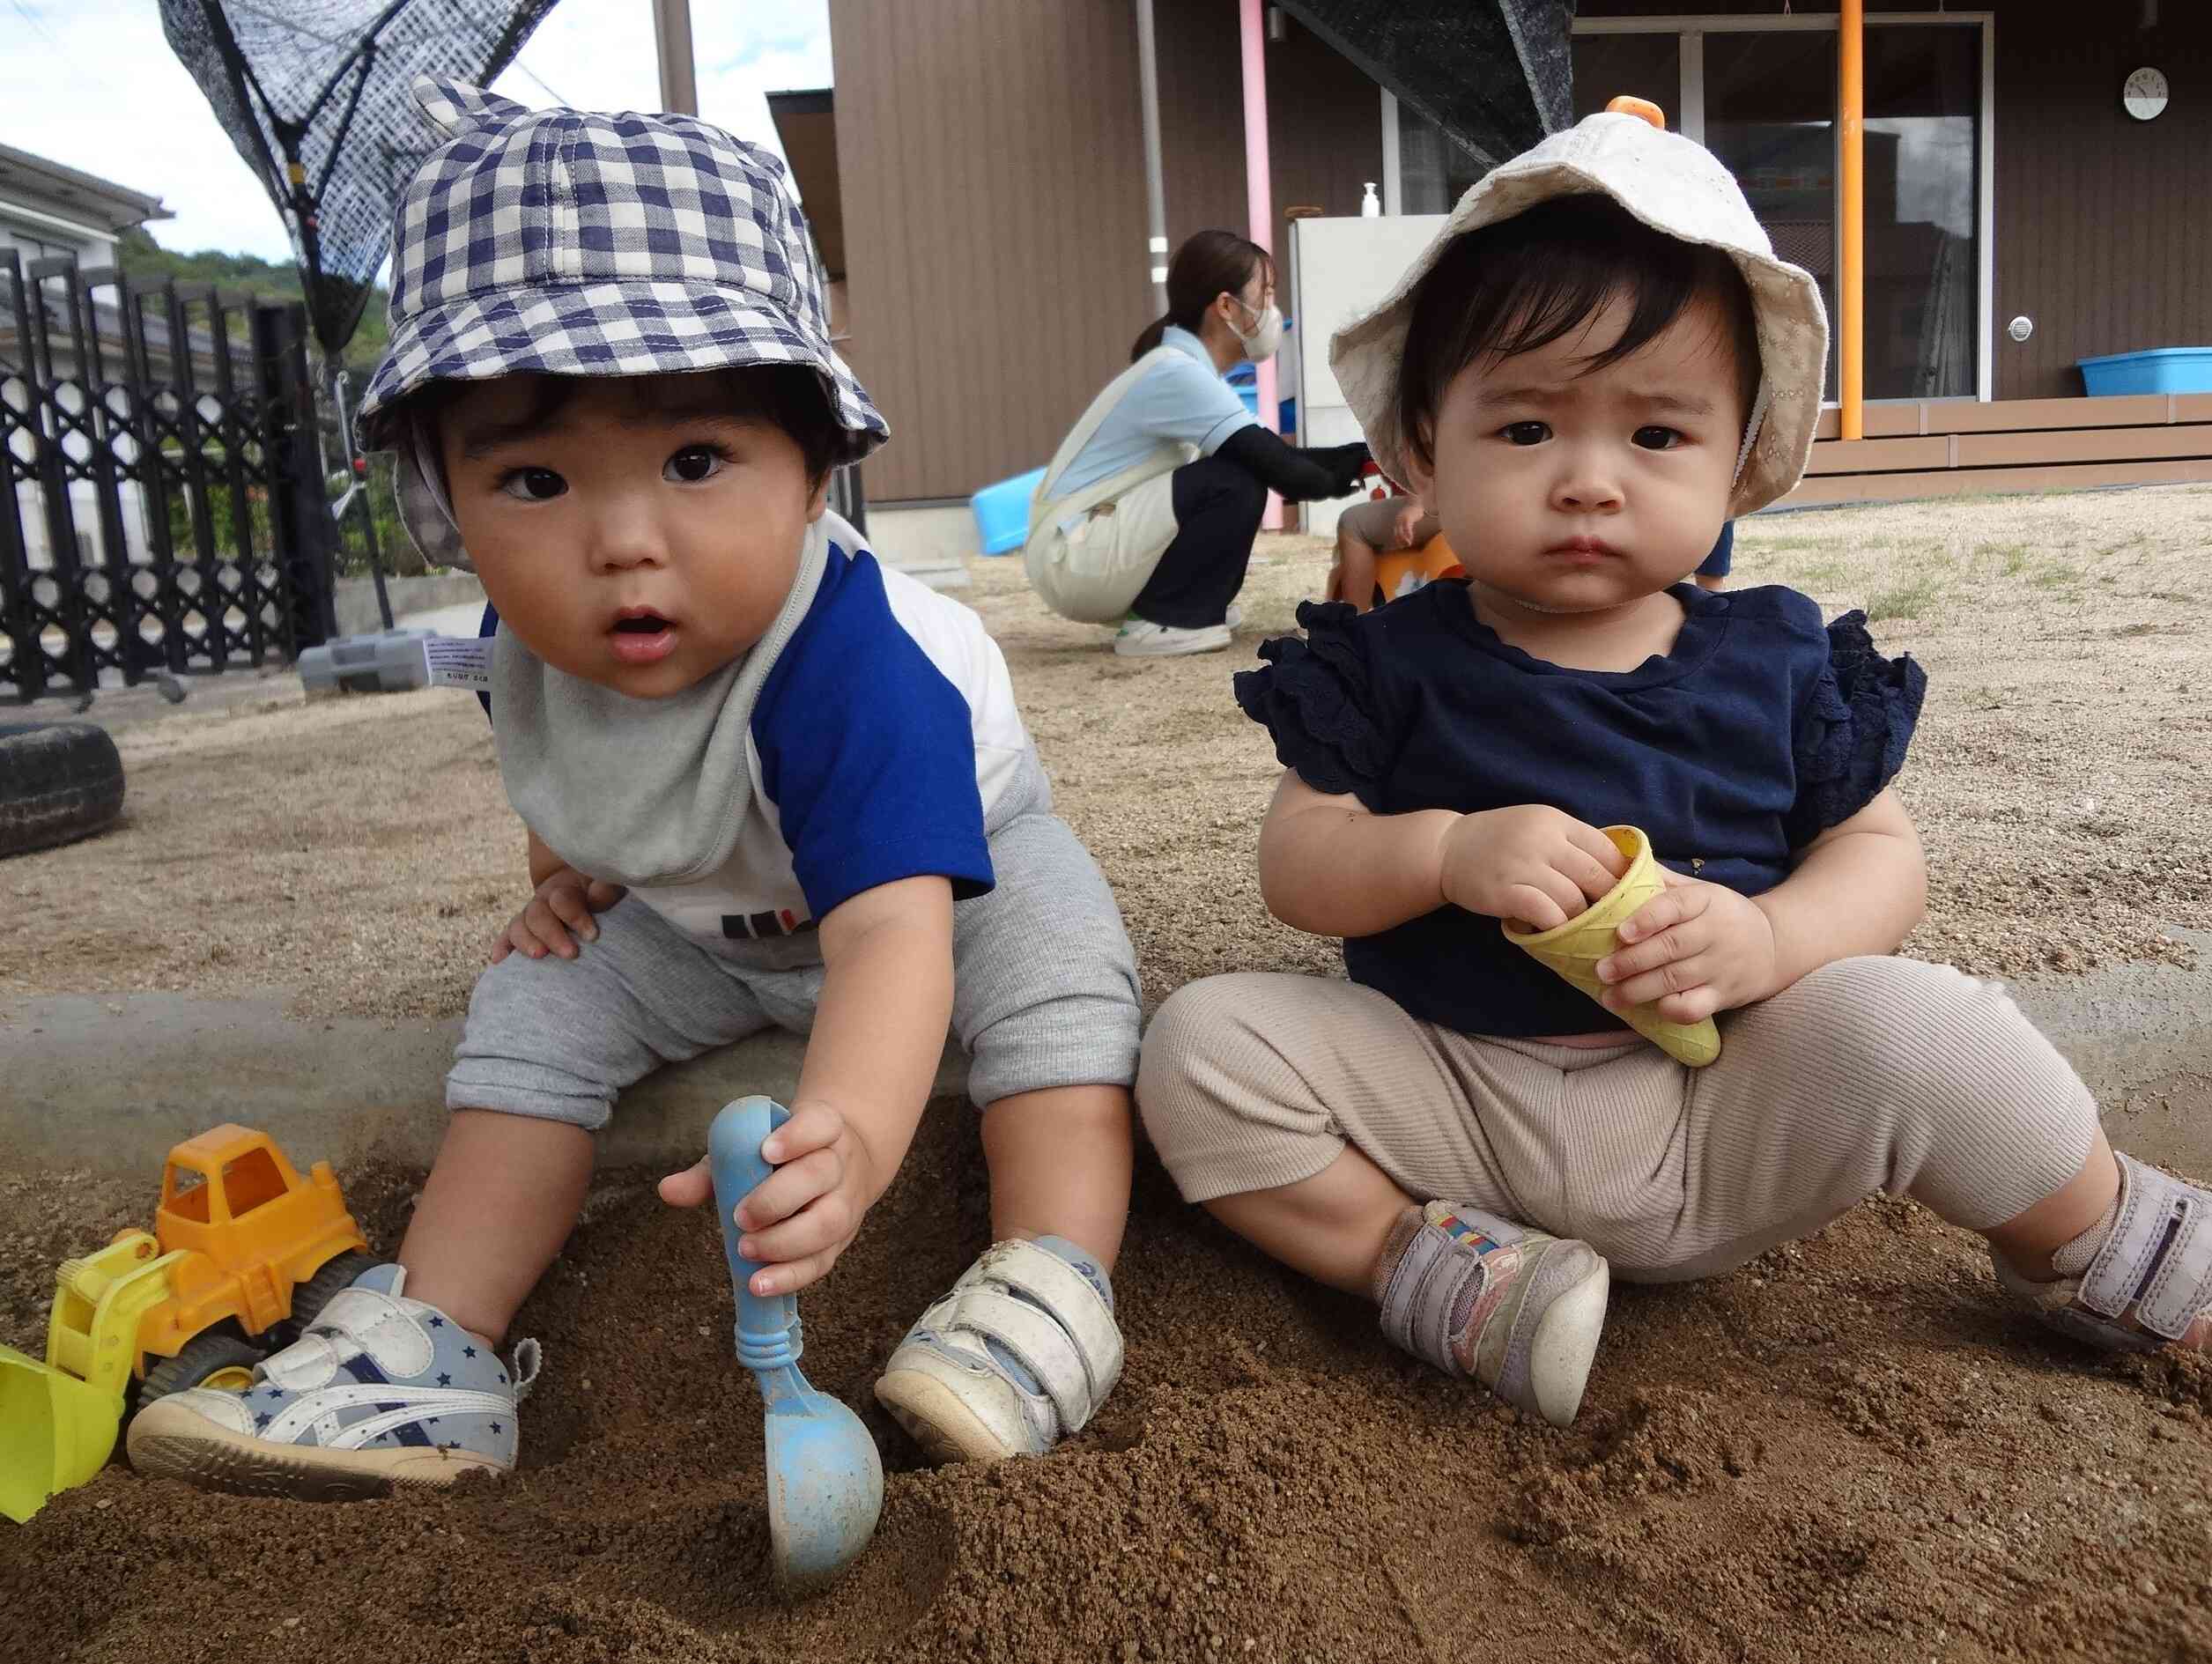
pixel 1851 282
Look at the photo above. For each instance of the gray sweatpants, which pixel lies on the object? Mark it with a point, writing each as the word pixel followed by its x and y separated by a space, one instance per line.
pixel 1044 990
pixel 1870 1074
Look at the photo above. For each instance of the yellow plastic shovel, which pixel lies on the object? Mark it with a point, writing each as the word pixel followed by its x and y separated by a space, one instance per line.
pixel 55 1431
pixel 1572 951
pixel 58 1419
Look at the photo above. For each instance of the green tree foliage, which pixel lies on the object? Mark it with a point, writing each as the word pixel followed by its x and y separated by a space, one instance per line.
pixel 142 257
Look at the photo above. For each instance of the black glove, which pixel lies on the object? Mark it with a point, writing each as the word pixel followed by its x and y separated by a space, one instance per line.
pixel 1348 463
pixel 1297 476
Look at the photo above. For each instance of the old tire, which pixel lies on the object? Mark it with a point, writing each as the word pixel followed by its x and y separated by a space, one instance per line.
pixel 59 781
pixel 309 1297
pixel 208 1359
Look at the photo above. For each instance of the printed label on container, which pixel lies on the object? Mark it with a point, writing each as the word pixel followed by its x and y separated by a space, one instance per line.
pixel 459 662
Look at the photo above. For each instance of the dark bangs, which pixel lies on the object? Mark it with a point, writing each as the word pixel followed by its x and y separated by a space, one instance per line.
pixel 1526 282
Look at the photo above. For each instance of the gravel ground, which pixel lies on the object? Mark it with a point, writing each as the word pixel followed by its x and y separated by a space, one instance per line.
pixel 357 853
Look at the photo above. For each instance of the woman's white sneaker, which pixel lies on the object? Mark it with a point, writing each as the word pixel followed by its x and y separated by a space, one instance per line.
pixel 1141 639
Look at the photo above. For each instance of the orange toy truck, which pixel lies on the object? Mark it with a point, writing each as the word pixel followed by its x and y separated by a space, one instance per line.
pixel 249 1245
pixel 243 1255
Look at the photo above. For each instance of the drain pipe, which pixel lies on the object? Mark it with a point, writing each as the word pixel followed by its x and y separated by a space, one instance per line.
pixel 1148 86
pixel 672 41
pixel 1259 198
pixel 1851 282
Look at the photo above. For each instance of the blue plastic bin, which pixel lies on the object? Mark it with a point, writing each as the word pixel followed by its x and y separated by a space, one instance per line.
pixel 2159 370
pixel 1245 381
pixel 1002 512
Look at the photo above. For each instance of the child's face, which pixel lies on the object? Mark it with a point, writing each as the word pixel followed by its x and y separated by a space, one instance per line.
pixel 642 537
pixel 1575 491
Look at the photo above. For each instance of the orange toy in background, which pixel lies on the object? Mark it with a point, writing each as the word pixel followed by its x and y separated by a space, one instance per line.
pixel 1405 570
pixel 242 1248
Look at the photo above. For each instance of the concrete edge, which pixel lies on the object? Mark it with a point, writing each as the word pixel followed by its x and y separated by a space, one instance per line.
pixel 108 1083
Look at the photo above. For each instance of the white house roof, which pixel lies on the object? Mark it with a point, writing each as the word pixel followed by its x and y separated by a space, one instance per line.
pixel 33 181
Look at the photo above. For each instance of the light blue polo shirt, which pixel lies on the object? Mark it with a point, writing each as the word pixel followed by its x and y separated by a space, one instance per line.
pixel 1182 398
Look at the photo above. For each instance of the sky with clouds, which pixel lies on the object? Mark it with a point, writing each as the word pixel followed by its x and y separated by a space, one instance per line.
pixel 92 84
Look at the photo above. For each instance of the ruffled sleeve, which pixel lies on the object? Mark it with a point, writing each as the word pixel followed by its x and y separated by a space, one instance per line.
pixel 1320 700
pixel 1852 733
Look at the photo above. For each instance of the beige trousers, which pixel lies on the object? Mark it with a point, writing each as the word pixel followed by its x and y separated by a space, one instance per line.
pixel 1871 1074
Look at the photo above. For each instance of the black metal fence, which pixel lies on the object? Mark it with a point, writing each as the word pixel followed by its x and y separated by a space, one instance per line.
pixel 161 508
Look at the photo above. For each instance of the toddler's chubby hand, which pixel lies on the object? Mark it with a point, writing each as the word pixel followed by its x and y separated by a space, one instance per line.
pixel 563 903
pixel 1406 523
pixel 801 1216
pixel 1530 862
pixel 1696 949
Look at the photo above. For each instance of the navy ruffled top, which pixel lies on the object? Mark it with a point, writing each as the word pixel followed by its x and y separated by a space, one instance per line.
pixel 1757 732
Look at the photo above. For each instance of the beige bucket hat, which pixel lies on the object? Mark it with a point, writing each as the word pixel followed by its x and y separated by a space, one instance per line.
pixel 1674 186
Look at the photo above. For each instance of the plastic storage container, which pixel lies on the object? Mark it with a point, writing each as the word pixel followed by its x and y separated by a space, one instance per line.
pixel 382 661
pixel 1245 381
pixel 2158 370
pixel 1002 512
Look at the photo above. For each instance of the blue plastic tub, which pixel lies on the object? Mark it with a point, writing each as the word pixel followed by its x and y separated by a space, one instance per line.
pixel 2159 370
pixel 1002 512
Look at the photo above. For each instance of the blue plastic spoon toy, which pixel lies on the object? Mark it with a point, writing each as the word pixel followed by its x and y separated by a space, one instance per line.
pixel 825 1482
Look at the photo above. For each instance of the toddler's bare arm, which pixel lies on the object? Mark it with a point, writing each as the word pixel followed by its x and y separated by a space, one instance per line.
pixel 1362 530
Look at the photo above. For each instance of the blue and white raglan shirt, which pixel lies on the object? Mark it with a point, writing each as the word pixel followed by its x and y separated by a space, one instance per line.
pixel 882 741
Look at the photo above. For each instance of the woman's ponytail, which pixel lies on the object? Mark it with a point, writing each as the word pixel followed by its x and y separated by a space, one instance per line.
pixel 1209 263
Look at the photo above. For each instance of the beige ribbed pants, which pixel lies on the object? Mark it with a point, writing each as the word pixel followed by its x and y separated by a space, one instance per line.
pixel 1871 1074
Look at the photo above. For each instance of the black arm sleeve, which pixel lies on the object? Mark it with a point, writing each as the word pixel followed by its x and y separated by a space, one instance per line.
pixel 1297 475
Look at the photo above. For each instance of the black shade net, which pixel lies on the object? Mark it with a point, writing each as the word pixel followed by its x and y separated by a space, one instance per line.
pixel 315 94
pixel 1495 74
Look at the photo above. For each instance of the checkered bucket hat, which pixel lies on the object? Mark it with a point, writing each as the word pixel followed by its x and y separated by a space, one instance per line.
pixel 1673 185
pixel 571 243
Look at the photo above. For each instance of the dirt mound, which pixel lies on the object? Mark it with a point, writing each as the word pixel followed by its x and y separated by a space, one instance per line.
pixel 1849 1449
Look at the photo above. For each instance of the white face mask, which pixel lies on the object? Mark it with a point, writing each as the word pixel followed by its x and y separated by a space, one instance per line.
pixel 1264 336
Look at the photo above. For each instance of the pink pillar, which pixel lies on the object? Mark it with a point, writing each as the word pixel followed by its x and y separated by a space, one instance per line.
pixel 1258 204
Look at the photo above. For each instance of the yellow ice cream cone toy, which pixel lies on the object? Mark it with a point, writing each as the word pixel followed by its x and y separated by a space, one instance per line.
pixel 1572 951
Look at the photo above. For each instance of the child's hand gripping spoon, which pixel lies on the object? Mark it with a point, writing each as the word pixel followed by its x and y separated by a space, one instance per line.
pixel 825 1482
pixel 1572 949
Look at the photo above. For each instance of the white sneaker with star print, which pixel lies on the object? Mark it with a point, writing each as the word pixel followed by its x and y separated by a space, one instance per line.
pixel 382 1392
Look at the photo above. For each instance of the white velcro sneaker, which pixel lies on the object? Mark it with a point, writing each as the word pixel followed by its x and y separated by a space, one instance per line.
pixel 2150 1285
pixel 382 1390
pixel 949 1385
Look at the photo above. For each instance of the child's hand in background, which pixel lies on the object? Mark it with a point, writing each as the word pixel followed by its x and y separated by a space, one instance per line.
pixel 563 903
pixel 1406 523
pixel 1696 948
pixel 801 1216
pixel 1530 862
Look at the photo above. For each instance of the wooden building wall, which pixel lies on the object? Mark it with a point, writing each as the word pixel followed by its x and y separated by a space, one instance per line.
pixel 993 174
pixel 992 167
pixel 2103 234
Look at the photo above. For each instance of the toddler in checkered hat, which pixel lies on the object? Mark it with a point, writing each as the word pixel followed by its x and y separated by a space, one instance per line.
pixel 767 781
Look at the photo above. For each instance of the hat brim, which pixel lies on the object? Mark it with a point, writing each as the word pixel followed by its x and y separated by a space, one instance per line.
pixel 609 328
pixel 1790 321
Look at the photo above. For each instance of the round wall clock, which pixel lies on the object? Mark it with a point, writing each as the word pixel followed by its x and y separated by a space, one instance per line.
pixel 2144 96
